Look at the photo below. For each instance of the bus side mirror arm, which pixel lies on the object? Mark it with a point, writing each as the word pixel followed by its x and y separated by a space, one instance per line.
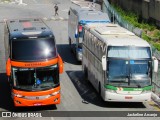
pixel 8 67
pixel 104 63
pixel 155 64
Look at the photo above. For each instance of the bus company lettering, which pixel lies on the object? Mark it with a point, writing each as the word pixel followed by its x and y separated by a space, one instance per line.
pixel 33 64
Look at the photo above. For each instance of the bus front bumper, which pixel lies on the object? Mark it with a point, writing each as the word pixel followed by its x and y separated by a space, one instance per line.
pixel 25 102
pixel 41 98
pixel 110 96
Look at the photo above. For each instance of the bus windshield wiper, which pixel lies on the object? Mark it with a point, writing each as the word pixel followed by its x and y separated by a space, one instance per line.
pixel 118 81
pixel 35 77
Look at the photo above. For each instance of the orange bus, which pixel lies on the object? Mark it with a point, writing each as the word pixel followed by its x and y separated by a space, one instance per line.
pixel 33 63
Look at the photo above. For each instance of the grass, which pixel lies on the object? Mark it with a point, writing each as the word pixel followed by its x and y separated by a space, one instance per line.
pixel 5 0
pixel 150 32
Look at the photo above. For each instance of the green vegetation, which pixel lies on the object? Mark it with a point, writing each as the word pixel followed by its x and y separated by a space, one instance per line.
pixel 150 31
pixel 5 0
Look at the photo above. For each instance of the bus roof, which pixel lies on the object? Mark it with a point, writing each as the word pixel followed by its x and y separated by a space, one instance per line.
pixel 30 27
pixel 88 15
pixel 114 35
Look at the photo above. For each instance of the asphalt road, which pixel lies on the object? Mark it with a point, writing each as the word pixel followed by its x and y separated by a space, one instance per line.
pixel 76 93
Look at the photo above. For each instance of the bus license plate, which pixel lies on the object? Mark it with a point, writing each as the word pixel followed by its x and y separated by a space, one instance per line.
pixel 128 97
pixel 37 104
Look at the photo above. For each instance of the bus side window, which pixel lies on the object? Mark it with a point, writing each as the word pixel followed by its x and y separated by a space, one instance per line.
pixel 96 50
pixel 83 52
pixel 89 40
pixel 93 42
pixel 99 51
pixel 85 37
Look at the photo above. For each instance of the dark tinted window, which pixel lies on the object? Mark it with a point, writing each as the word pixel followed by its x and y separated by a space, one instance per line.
pixel 33 49
pixel 36 79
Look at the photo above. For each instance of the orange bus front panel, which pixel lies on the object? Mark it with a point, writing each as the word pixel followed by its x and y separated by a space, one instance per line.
pixel 40 98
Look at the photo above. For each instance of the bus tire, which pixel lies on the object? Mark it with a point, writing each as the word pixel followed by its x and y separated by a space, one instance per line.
pixel 100 92
pixel 70 45
pixel 86 73
pixel 69 42
pixel 99 89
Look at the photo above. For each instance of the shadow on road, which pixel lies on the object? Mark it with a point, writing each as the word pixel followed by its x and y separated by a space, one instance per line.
pixel 32 109
pixel 66 54
pixel 6 102
pixel 90 95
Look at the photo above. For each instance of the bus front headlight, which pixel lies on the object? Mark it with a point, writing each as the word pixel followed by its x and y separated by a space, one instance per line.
pixel 17 95
pixel 146 91
pixel 112 91
pixel 55 93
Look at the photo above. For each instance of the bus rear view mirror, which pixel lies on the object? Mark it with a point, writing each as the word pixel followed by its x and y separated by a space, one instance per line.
pixel 8 67
pixel 155 63
pixel 104 64
pixel 76 35
pixel 60 64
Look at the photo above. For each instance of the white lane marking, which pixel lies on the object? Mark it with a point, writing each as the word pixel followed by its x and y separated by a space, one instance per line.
pixel 52 118
pixel 61 18
pixel 53 18
pixel 65 10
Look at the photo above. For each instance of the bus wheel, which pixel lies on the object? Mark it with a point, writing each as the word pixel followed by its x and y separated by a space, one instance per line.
pixel 69 42
pixel 100 93
pixel 99 89
pixel 86 74
pixel 70 45
pixel 8 80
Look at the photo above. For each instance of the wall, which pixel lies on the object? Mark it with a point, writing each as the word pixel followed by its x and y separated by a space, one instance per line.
pixel 148 9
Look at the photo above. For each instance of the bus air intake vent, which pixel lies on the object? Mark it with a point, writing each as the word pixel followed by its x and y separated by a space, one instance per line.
pixel 113 31
pixel 84 6
pixel 15 30
pixel 12 21
pixel 29 28
pixel 43 28
pixel 93 13
pixel 24 20
pixel 36 20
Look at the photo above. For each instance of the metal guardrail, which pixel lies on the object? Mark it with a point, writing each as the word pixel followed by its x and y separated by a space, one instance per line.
pixel 116 18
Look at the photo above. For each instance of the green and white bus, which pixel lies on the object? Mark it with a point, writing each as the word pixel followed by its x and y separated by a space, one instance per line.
pixel 117 63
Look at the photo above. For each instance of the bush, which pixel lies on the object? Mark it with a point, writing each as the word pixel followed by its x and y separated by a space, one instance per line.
pixel 150 32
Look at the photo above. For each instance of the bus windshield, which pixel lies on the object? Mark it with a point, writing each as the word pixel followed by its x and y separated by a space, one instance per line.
pixel 33 49
pixel 133 71
pixel 35 79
